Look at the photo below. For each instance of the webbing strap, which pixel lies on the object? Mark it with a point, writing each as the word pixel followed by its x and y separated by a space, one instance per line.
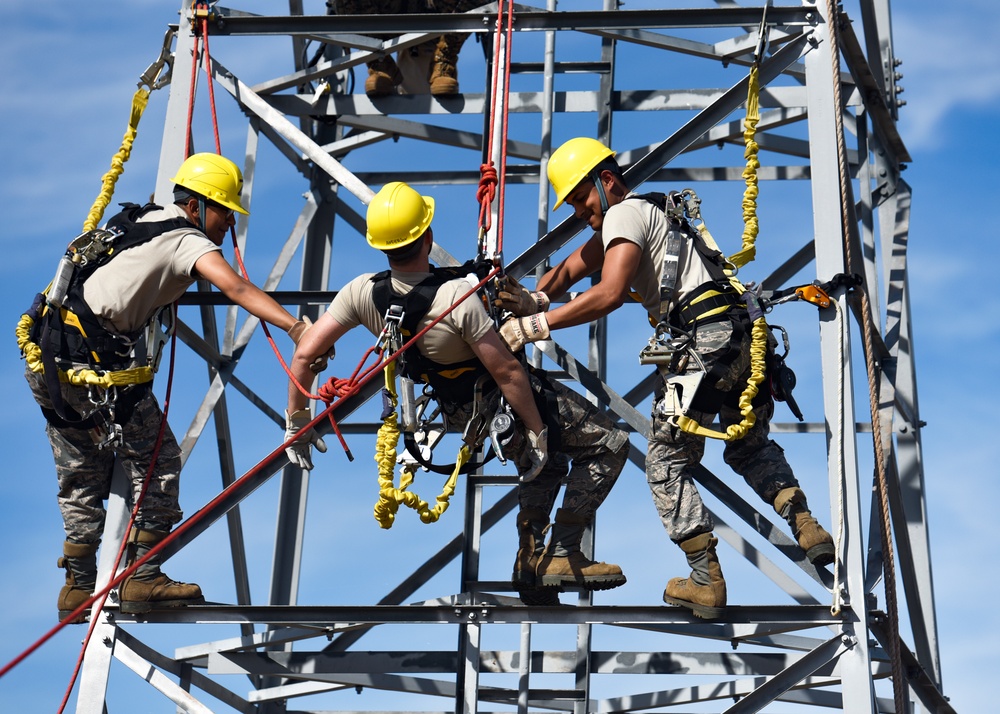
pixel 668 275
pixel 139 102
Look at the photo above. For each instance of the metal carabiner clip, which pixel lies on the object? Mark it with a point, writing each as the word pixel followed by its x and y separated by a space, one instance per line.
pixel 762 35
pixel 152 76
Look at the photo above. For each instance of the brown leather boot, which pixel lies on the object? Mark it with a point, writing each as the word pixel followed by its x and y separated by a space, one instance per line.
pixel 563 563
pixel 704 591
pixel 790 504
pixel 531 525
pixel 149 587
pixel 80 562
pixel 383 77
pixel 444 71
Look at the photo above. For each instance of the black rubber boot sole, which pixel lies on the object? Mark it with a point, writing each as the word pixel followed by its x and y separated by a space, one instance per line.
pixel 705 612
pixel 596 582
pixel 541 597
pixel 81 618
pixel 822 554
pixel 135 607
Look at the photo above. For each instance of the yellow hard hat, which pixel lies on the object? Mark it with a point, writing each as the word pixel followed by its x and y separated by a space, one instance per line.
pixel 572 162
pixel 397 216
pixel 215 177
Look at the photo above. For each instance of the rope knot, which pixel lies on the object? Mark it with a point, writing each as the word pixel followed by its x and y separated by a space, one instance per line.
pixel 335 388
pixel 487 183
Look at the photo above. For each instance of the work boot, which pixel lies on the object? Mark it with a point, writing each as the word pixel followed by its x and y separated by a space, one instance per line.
pixel 704 590
pixel 563 563
pixel 80 563
pixel 790 503
pixel 148 587
pixel 383 77
pixel 443 76
pixel 531 525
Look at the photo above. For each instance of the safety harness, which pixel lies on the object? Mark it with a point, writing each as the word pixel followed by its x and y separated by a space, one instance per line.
pixel 672 346
pixel 59 332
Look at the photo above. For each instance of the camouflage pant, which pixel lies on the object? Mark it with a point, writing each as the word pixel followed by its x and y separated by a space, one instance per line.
pixel 452 42
pixel 673 452
pixel 84 471
pixel 586 436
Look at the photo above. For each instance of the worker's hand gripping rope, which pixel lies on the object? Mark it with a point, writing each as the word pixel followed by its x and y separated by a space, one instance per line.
pixel 516 298
pixel 519 331
pixel 300 453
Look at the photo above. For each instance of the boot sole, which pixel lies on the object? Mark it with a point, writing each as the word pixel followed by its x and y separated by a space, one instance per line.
pixel 822 554
pixel 603 582
pixel 546 597
pixel 138 608
pixel 85 617
pixel 705 612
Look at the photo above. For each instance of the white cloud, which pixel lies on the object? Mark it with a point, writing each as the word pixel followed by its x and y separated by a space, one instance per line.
pixel 950 63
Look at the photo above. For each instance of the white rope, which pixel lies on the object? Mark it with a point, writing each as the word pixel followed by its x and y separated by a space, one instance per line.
pixel 836 606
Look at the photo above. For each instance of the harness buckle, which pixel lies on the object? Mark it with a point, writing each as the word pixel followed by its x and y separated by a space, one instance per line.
pixel 391 334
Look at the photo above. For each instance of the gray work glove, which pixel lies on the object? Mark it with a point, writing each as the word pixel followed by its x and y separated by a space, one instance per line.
pixel 519 331
pixel 300 453
pixel 512 296
pixel 538 453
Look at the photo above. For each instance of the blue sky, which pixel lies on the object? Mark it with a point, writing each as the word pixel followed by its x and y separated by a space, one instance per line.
pixel 68 74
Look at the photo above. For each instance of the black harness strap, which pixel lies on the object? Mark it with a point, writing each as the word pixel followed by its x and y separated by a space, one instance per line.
pixel 73 332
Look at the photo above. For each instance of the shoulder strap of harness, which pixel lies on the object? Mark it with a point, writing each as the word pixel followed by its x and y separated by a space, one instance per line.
pixel 73 332
pixel 672 205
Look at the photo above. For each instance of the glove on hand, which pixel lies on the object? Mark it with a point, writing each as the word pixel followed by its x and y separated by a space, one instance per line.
pixel 299 328
pixel 538 452
pixel 299 453
pixel 519 331
pixel 320 363
pixel 511 295
pixel 752 298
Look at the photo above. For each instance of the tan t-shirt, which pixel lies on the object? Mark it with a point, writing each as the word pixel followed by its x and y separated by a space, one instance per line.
pixel 447 342
pixel 644 224
pixel 129 290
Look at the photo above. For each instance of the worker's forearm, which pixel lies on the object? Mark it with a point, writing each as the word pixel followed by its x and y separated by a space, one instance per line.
pixel 301 373
pixel 590 305
pixel 517 391
pixel 260 304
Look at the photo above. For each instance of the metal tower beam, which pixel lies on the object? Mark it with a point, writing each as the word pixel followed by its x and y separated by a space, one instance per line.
pixel 653 84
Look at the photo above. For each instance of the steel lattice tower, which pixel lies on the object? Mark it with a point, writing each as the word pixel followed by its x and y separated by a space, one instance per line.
pixel 623 76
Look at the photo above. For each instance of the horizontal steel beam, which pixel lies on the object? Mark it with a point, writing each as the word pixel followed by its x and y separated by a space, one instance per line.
pixel 529 20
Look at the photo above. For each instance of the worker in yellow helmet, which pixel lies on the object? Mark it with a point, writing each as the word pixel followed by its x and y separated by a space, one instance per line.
pixel 681 283
pixel 104 317
pixel 451 357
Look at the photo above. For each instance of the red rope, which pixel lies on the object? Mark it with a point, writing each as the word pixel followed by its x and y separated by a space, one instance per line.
pixel 102 594
pixel 211 84
pixel 190 112
pixel 504 125
pixel 490 184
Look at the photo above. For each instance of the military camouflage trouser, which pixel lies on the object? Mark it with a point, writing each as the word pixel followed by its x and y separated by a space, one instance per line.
pixel 673 452
pixel 84 471
pixel 579 433
pixel 450 43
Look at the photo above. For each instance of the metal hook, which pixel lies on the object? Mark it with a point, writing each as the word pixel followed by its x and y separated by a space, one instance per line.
pixel 762 34
pixel 151 77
